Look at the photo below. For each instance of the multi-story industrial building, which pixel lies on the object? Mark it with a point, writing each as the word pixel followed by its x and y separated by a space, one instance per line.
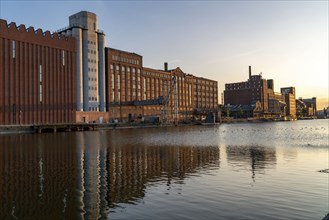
pixel 134 91
pixel 310 106
pixel 70 76
pixel 248 92
pixel 37 76
pixel 255 90
pixel 289 96
pixel 90 61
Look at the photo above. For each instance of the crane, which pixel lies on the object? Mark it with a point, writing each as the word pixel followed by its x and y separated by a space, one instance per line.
pixel 166 103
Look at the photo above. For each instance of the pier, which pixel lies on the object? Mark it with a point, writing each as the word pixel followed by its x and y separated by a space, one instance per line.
pixel 53 128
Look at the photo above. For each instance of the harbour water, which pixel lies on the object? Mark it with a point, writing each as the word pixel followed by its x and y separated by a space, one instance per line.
pixel 231 171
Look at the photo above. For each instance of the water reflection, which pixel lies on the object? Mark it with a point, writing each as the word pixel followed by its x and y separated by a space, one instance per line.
pixel 37 182
pixel 86 175
pixel 133 168
pixel 253 158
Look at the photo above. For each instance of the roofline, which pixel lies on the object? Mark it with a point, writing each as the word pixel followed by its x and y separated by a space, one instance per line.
pixel 123 51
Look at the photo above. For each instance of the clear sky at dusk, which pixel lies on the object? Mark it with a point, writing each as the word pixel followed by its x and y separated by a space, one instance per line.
pixel 285 40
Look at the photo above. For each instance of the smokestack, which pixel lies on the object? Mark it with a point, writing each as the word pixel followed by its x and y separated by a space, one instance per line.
pixel 249 72
pixel 165 66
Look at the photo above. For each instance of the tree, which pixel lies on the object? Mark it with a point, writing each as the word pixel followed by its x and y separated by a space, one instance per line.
pixel 240 112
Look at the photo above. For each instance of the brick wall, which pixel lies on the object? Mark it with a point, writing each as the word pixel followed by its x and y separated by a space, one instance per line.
pixel 37 72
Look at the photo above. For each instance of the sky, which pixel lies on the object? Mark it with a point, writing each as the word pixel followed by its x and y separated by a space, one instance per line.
pixel 284 40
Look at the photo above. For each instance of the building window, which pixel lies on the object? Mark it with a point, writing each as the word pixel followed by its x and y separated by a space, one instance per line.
pixel 190 94
pixel 144 95
pixel 40 72
pixel 94 26
pixel 14 49
pixel 63 57
pixel 112 81
pixel 119 81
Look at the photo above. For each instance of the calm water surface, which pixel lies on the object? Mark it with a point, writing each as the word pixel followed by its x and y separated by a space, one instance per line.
pixel 231 171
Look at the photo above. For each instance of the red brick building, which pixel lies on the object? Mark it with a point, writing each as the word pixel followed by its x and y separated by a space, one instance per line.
pixel 256 89
pixel 37 76
pixel 133 90
pixel 246 93
pixel 40 84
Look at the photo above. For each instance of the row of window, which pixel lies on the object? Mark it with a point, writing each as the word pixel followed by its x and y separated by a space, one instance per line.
pixel 92 69
pixel 14 52
pixel 91 61
pixel 157 74
pixel 204 82
pixel 91 98
pixel 91 51
pixel 123 68
pixel 125 60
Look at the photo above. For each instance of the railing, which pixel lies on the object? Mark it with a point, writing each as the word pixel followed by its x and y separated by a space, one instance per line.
pixel 70 26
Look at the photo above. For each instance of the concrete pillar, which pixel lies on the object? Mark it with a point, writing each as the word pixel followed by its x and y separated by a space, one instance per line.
pixel 77 33
pixel 101 71
pixel 85 70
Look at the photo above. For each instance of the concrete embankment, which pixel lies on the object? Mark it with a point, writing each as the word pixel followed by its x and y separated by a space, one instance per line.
pixel 16 129
pixel 53 128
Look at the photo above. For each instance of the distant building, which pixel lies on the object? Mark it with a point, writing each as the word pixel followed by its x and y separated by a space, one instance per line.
pixel 37 71
pixel 245 111
pixel 289 96
pixel 256 89
pixel 310 105
pixel 301 109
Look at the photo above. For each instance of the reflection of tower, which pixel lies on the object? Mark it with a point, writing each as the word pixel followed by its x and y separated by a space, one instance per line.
pixel 80 171
pixel 259 158
pixel 92 175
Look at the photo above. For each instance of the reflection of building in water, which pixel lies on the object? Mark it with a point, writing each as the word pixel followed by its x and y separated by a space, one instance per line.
pixel 259 158
pixel 37 177
pixel 91 166
pixel 131 167
pixel 84 175
pixel 119 174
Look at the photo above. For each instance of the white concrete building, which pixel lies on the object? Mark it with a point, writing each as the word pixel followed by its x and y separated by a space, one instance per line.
pixel 90 60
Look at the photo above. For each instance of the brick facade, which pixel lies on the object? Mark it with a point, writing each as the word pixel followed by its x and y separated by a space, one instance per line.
pixel 37 76
pixel 127 81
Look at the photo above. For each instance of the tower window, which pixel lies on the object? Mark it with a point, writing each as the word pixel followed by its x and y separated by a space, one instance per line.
pixel 14 49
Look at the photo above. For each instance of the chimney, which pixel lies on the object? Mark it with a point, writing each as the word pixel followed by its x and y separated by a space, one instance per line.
pixel 249 72
pixel 165 66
